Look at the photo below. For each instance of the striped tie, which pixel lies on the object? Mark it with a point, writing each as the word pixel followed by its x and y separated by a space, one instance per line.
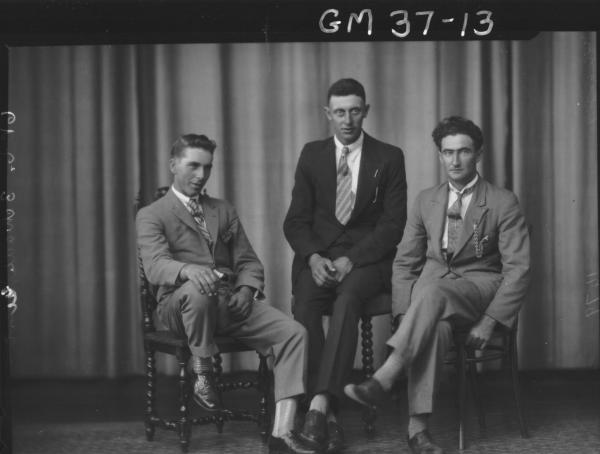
pixel 198 215
pixel 343 199
pixel 455 220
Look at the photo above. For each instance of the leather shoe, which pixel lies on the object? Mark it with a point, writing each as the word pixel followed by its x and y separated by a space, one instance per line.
pixel 314 432
pixel 205 392
pixel 288 443
pixel 421 443
pixel 335 438
pixel 367 393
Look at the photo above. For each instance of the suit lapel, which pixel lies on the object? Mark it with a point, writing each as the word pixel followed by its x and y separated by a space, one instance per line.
pixel 475 212
pixel 328 166
pixel 437 218
pixel 367 176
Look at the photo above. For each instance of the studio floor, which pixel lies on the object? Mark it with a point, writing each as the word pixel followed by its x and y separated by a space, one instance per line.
pixel 105 416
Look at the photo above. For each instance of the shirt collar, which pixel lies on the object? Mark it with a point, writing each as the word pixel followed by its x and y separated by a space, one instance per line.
pixel 353 146
pixel 181 196
pixel 466 187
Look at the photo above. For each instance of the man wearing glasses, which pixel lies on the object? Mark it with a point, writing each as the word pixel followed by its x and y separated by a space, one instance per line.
pixel 463 261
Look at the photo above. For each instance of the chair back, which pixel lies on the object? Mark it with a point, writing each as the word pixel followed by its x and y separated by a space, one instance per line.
pixel 147 291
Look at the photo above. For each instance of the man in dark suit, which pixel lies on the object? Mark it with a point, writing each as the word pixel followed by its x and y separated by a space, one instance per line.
pixel 345 219
pixel 463 261
pixel 194 248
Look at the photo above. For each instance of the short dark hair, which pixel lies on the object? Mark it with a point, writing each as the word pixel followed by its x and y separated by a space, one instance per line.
pixel 192 141
pixel 345 87
pixel 457 125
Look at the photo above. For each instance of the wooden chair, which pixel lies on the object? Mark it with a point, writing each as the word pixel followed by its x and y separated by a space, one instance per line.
pixel 165 341
pixel 466 361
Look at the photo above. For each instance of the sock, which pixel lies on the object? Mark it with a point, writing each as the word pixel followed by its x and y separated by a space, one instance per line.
pixel 202 365
pixel 386 375
pixel 285 413
pixel 320 403
pixel 417 423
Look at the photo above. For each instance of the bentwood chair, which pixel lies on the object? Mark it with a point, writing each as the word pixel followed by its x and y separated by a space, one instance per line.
pixel 165 341
pixel 503 347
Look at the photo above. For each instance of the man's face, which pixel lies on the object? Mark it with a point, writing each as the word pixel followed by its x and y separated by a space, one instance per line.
pixel 346 114
pixel 191 170
pixel 459 158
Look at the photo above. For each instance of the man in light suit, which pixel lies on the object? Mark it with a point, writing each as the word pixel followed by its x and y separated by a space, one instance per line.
pixel 194 248
pixel 463 261
pixel 346 216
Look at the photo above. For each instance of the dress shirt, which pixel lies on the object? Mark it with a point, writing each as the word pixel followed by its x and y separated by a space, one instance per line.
pixel 452 196
pixel 353 159
pixel 185 200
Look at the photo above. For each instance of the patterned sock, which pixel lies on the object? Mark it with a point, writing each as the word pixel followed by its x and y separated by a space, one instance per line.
pixel 320 403
pixel 202 365
pixel 417 423
pixel 387 374
pixel 285 413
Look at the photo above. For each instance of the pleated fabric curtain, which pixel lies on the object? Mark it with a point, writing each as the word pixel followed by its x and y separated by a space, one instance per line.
pixel 95 123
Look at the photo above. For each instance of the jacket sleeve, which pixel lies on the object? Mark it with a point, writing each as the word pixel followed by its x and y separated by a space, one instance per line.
pixel 247 268
pixel 409 261
pixel 513 244
pixel 153 247
pixel 297 226
pixel 389 228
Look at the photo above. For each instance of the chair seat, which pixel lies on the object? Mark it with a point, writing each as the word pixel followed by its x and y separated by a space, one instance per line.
pixel 165 337
pixel 378 305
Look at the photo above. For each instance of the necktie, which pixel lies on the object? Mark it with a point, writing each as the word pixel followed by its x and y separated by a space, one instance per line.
pixel 198 215
pixel 343 199
pixel 455 221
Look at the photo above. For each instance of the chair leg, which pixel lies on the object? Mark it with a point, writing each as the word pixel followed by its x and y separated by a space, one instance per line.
pixel 461 366
pixel 264 387
pixel 370 414
pixel 150 393
pixel 184 422
pixel 218 365
pixel 514 369
pixel 474 385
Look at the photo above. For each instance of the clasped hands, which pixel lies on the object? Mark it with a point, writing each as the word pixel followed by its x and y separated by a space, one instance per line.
pixel 207 280
pixel 328 273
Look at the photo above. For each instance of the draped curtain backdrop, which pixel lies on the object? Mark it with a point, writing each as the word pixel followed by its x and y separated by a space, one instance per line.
pixel 94 126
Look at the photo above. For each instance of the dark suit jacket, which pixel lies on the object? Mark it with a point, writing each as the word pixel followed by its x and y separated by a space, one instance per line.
pixel 168 238
pixel 493 220
pixel 377 222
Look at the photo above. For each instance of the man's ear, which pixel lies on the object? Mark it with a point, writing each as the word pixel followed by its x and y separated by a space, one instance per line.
pixel 479 154
pixel 328 112
pixel 367 106
pixel 172 164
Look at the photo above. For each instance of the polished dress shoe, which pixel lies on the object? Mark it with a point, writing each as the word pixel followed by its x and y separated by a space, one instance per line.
pixel 314 432
pixel 421 443
pixel 288 443
pixel 367 393
pixel 335 438
pixel 205 392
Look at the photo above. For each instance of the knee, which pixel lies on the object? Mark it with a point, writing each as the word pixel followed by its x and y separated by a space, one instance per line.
pixel 194 301
pixel 429 297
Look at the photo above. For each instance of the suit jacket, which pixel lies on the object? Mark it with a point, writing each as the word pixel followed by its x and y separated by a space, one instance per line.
pixel 168 238
pixel 492 252
pixel 379 214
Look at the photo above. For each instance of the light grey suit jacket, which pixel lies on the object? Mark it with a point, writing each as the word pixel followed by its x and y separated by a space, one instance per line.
pixel 169 238
pixel 493 251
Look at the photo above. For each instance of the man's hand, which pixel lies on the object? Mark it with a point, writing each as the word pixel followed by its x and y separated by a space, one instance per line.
pixel 240 303
pixel 343 266
pixel 323 271
pixel 203 277
pixel 481 333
